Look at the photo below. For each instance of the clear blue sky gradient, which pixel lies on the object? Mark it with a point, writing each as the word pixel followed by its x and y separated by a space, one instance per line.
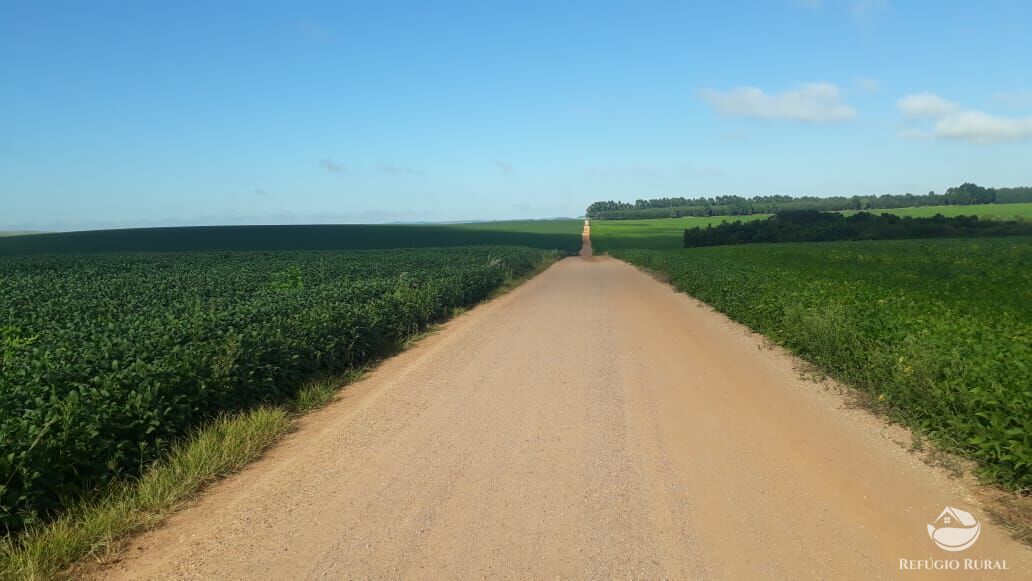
pixel 117 114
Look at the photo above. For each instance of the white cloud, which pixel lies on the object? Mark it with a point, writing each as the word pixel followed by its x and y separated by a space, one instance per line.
pixel 981 127
pixel 810 103
pixel 925 105
pixel 953 122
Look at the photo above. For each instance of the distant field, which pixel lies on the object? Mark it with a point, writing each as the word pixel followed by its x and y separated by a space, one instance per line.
pixel 559 226
pixel 667 232
pixel 548 234
pixel 938 332
pixel 653 233
pixel 1006 211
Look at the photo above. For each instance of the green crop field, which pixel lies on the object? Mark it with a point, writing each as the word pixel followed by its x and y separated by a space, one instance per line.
pixel 547 234
pixel 559 226
pixel 661 233
pixel 1002 211
pixel 939 332
pixel 107 358
pixel 652 233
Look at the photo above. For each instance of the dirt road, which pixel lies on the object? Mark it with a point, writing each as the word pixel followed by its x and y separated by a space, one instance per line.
pixel 591 423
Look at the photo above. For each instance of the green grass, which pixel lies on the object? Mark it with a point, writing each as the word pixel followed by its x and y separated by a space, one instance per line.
pixel 655 233
pixel 94 526
pixel 1002 211
pixel 662 233
pixel 939 332
pixel 561 234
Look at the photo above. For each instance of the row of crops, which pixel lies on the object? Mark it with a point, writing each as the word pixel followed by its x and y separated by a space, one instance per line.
pixel 939 332
pixel 107 359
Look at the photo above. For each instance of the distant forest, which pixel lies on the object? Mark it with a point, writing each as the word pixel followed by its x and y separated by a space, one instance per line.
pixel 817 226
pixel 963 195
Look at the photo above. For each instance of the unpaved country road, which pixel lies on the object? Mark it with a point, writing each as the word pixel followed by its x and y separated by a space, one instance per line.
pixel 590 424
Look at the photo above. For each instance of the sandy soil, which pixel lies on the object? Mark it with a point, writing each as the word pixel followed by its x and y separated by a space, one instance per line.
pixel 592 423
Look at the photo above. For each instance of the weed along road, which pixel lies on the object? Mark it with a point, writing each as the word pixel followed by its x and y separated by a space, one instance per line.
pixel 590 423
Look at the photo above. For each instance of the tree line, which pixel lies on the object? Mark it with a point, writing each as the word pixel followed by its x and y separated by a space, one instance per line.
pixel 676 207
pixel 817 226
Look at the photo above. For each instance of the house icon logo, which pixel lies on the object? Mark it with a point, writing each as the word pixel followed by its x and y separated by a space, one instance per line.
pixel 954 529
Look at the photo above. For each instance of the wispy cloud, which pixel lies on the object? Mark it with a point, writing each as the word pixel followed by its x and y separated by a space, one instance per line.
pixel 398 170
pixel 925 105
pixel 951 121
pixel 983 128
pixel 810 103
pixel 503 167
pixel 332 166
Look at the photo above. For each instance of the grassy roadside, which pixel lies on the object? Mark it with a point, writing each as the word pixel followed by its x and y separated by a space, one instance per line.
pixel 96 528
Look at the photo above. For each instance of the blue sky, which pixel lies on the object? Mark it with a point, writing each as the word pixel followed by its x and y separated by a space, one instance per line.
pixel 118 114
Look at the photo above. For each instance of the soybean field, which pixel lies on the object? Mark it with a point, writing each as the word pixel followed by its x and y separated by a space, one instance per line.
pixel 937 332
pixel 108 358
